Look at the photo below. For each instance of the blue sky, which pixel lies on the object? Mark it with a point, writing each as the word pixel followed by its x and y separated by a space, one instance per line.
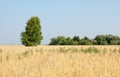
pixel 59 17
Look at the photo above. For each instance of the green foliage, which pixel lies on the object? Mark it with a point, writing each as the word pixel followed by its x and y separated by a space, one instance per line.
pixel 76 38
pixel 32 35
pixel 54 41
pixel 85 41
pixel 101 40
pixel 72 42
pixel 107 40
pixel 98 40
pixel 60 40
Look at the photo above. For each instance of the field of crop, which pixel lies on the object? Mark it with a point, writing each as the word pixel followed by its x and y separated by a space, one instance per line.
pixel 59 61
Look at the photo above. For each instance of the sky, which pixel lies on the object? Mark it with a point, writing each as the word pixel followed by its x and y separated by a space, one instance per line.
pixel 59 18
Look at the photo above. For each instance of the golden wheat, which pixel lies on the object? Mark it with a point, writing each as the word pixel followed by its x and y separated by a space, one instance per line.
pixel 59 61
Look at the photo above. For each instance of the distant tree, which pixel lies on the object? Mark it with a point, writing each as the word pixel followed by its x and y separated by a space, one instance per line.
pixel 72 42
pixel 59 40
pixel 114 42
pixel 32 35
pixel 101 40
pixel 69 41
pixel 98 40
pixel 76 38
pixel 54 41
pixel 107 40
pixel 85 41
pixel 94 42
pixel 119 42
pixel 68 38
pixel 62 40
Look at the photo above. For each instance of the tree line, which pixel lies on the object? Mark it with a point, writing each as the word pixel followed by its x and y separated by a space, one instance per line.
pixel 76 40
pixel 32 36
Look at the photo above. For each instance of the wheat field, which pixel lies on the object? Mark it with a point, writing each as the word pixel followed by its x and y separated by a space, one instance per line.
pixel 59 61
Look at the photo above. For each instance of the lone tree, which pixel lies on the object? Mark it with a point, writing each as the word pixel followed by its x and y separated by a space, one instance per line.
pixel 32 35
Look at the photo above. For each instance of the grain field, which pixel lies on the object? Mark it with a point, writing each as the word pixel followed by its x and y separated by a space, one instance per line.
pixel 59 61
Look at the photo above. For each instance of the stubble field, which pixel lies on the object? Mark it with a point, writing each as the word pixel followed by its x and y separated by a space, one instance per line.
pixel 59 61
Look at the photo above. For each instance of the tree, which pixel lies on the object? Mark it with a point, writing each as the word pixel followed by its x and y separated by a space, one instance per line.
pixel 72 42
pixel 59 40
pixel 32 35
pixel 54 41
pixel 76 38
pixel 101 39
pixel 63 41
pixel 86 38
pixel 107 40
pixel 85 41
pixel 98 40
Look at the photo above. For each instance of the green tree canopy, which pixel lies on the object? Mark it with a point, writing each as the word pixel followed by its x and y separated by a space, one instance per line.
pixel 76 38
pixel 59 40
pixel 98 40
pixel 32 35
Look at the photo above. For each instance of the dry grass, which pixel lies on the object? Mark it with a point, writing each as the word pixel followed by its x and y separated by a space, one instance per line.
pixel 60 61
